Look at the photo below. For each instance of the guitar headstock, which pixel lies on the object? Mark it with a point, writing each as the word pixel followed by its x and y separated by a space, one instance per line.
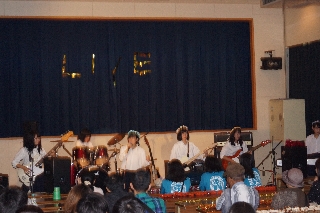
pixel 263 143
pixel 66 136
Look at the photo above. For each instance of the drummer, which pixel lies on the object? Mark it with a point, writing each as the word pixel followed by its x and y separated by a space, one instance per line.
pixel 84 138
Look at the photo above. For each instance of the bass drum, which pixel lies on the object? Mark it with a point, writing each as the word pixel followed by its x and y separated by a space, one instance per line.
pixel 96 170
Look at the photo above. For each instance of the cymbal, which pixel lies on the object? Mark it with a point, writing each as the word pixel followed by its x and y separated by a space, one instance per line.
pixel 116 139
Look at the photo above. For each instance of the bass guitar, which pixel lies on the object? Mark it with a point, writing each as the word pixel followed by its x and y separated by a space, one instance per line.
pixel 154 172
pixel 37 168
pixel 225 163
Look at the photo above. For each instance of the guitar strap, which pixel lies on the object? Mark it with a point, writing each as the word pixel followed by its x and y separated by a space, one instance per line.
pixel 188 150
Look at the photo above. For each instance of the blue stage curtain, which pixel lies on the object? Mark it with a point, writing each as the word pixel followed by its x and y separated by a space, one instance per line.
pixel 201 75
pixel 304 75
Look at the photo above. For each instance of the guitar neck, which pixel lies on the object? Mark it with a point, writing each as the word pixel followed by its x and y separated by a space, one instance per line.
pixel 59 144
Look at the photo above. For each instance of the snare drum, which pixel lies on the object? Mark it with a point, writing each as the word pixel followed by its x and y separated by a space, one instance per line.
pixel 100 155
pixel 81 156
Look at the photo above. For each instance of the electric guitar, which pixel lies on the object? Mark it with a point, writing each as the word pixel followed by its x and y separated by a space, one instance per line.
pixel 154 172
pixel 186 161
pixel 225 163
pixel 37 168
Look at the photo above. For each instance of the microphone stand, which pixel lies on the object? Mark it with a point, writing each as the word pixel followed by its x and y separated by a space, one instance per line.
pixel 31 176
pixel 273 152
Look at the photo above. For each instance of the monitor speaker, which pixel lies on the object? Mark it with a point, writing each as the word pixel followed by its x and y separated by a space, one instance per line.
pixel 294 157
pixel 4 180
pixel 57 174
pixel 271 63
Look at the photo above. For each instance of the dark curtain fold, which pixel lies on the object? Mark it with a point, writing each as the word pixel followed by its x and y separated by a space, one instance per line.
pixel 304 75
pixel 201 75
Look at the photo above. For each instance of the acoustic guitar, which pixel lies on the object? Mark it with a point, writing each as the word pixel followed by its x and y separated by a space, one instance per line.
pixel 225 163
pixel 37 168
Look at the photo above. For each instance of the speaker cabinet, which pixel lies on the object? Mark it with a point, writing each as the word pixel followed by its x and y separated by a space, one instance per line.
pixel 271 63
pixel 57 174
pixel 294 157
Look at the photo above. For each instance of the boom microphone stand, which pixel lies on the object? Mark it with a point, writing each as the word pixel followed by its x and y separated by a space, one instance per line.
pixel 31 174
pixel 273 152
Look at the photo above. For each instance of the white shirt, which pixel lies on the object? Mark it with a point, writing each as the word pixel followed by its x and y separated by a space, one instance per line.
pixel 80 143
pixel 22 157
pixel 134 159
pixel 313 144
pixel 229 150
pixel 179 151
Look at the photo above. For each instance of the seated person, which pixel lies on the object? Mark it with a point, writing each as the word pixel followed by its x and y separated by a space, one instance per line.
pixel 314 193
pixel 252 176
pixel 92 203
pixel 130 204
pixel 238 191
pixel 175 180
pixel 213 178
pixel 12 198
pixel 293 196
pixel 75 194
pixel 29 209
pixel 115 189
pixel 88 178
pixel 241 207
pixel 140 185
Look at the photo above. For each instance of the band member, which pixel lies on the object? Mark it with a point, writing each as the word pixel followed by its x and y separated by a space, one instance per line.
pixel 313 140
pixel 183 149
pixel 234 144
pixel 84 138
pixel 133 157
pixel 30 152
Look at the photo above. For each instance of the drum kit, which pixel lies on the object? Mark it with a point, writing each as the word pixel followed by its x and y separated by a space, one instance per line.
pixel 93 159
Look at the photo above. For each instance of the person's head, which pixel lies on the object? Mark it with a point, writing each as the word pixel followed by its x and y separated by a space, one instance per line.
pixel 29 209
pixel 235 135
pixel 241 207
pixel 85 135
pixel 246 161
pixel 75 194
pixel 101 178
pixel 234 173
pixel 293 178
pixel 31 140
pixel 92 203
pixel 133 137
pixel 87 177
pixel 12 198
pixel 128 204
pixel 212 164
pixel 141 181
pixel 175 171
pixel 114 182
pixel 182 133
pixel 316 127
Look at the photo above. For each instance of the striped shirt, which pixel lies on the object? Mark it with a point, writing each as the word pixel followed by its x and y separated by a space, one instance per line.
pixel 156 204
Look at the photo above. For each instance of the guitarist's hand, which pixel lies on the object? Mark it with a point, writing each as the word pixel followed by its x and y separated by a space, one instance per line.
pixel 26 170
pixel 148 158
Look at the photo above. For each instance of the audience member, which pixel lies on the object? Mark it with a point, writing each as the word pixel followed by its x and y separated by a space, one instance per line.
pixel 213 178
pixel 252 176
pixel 88 178
pixel 29 209
pixel 12 198
pixel 130 204
pixel 175 180
pixel 238 191
pixel 314 193
pixel 293 196
pixel 75 194
pixel 140 186
pixel 92 203
pixel 241 207
pixel 115 189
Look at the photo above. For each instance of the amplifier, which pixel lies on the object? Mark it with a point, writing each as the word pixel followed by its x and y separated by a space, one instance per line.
pixel 221 138
pixel 4 180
